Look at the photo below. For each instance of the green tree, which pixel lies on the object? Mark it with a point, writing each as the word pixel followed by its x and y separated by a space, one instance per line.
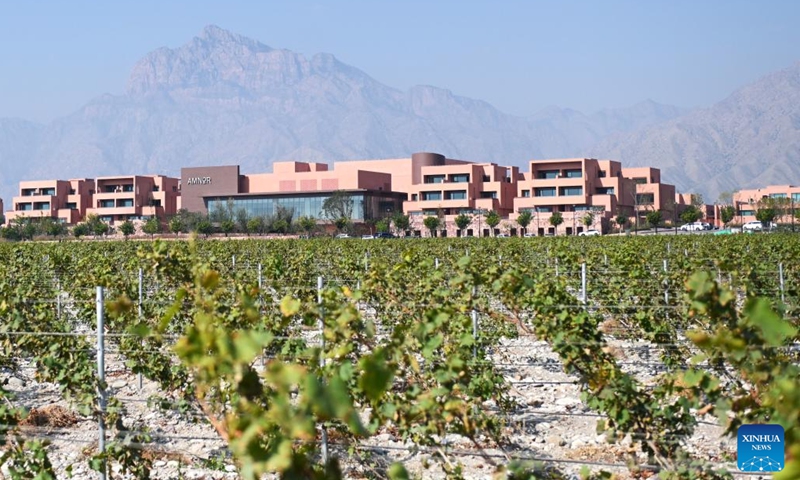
pixel 80 230
pixel 401 222
pixel 54 228
pixel 492 220
pixel 307 224
pixel 621 220
pixel 255 225
pixel 654 219
pixel 96 226
pixel 241 220
pixel 176 225
pixel 431 223
pixel 205 227
pixel 726 214
pixel 462 221
pixel 588 220
pixel 152 226
pixel 382 225
pixel 691 214
pixel 127 228
pixel 11 233
pixel 227 226
pixel 524 219
pixel 338 208
pixel 556 219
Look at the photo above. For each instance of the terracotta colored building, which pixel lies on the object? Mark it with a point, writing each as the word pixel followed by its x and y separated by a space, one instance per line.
pixel 746 202
pixel 62 200
pixel 134 197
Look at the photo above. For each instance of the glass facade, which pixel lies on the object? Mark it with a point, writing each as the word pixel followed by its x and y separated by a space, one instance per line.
pixel 456 195
pixel 547 174
pixel 570 191
pixel 366 205
pixel 573 173
pixel 796 197
pixel 431 195
pixel 459 178
pixel 545 192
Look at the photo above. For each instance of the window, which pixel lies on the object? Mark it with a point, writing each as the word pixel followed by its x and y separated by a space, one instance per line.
pixel 796 197
pixel 570 191
pixel 640 181
pixel 488 194
pixel 49 191
pixel 546 174
pixel 413 197
pixel 106 203
pixel 456 195
pixel 777 195
pixel 72 206
pixel 23 207
pixel 155 202
pixel 460 178
pixel 604 191
pixel 41 206
pixel 128 202
pixel 431 195
pixel 127 188
pixel 544 209
pixel 434 179
pixel 28 192
pixel 581 208
pixel 525 193
pixel 486 178
pixel 746 213
pixel 430 213
pixel 573 173
pixel 544 192
pixel 645 198
pixel 72 191
pixel 601 173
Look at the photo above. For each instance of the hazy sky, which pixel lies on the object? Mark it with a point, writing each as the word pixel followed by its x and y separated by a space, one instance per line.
pixel 518 55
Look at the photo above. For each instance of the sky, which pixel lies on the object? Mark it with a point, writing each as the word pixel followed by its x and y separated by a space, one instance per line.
pixel 520 56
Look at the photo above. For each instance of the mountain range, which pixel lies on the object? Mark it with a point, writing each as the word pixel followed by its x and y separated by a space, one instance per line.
pixel 226 99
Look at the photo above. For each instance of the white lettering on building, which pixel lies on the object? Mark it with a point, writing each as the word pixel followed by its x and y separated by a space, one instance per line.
pixel 199 181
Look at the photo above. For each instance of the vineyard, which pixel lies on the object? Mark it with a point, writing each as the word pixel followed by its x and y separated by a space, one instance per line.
pixel 427 358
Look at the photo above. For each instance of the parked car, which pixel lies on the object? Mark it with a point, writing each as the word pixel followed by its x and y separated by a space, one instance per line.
pixel 343 235
pixel 530 235
pixel 590 233
pixel 367 237
pixel 384 235
pixel 754 226
pixel 503 235
pixel 693 227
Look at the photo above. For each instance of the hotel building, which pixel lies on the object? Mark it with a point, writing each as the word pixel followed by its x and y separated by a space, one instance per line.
pixel 424 184
pixel 746 202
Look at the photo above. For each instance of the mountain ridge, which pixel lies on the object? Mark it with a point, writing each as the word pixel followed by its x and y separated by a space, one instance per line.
pixel 223 98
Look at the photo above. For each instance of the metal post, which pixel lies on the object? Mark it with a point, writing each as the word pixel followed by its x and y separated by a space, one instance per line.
pixel 556 267
pixel 583 283
pixel 58 300
pixel 260 279
pixel 605 259
pixel 666 284
pixel 322 363
pixel 474 324
pixel 436 262
pixel 101 379
pixel 141 288
pixel 780 277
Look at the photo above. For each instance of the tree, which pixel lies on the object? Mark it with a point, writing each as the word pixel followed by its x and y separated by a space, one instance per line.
pixel 338 208
pixel 431 223
pixel 621 220
pixel 492 220
pixel 401 222
pixel 241 220
pixel 80 230
pixel 462 222
pixel 556 219
pixel 152 226
pixel 176 225
pixel 654 219
pixel 524 219
pixel 726 214
pixel 382 225
pixel 307 224
pixel 96 226
pixel 767 211
pixel 255 225
pixel 54 228
pixel 725 198
pixel 227 226
pixel 588 220
pixel 691 214
pixel 127 228
pixel 204 227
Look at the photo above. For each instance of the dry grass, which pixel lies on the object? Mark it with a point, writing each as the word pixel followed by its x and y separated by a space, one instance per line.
pixel 54 416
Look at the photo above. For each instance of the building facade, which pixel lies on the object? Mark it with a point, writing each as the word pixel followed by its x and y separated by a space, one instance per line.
pixel 65 201
pixel 113 199
pixel 747 202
